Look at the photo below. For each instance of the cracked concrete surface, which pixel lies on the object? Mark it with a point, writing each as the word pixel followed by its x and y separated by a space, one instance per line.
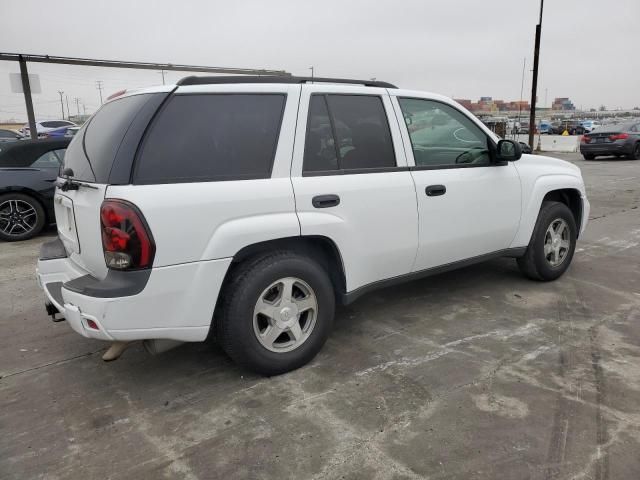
pixel 477 373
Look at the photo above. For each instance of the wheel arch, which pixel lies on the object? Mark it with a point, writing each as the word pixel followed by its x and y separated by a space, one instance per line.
pixel 321 248
pixel 566 189
pixel 318 247
pixel 572 198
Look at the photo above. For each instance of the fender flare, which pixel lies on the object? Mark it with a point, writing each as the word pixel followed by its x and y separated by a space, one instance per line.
pixel 532 202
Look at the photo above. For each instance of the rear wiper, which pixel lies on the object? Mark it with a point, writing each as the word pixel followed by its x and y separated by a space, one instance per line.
pixel 71 184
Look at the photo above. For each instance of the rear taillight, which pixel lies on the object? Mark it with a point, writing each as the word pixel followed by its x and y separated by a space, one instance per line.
pixel 585 139
pixel 126 238
pixel 618 136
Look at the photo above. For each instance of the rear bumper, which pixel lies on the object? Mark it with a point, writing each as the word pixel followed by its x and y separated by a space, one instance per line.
pixel 174 302
pixel 612 148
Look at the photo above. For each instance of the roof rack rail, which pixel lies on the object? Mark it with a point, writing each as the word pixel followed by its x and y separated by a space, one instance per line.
pixel 195 80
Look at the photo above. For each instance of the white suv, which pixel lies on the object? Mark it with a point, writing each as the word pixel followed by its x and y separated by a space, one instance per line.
pixel 244 208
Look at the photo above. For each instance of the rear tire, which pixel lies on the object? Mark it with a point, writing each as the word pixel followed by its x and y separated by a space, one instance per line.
pixel 589 157
pixel 21 217
pixel 551 248
pixel 276 312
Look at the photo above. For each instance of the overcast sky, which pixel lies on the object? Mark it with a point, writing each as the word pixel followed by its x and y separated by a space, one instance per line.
pixel 460 48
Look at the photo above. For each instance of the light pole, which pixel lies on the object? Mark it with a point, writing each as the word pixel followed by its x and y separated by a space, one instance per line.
pixel 161 72
pixel 311 68
pixel 534 83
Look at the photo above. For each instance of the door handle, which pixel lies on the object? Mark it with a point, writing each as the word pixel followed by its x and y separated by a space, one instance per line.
pixel 325 201
pixel 435 190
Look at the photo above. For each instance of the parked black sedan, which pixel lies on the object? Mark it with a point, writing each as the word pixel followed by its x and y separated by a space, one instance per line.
pixel 617 140
pixel 28 171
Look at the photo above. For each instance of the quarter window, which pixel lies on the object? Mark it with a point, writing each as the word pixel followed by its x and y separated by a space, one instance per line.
pixel 443 136
pixel 212 137
pixel 347 133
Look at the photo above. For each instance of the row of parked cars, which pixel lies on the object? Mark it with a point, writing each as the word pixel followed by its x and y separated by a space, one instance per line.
pixel 46 129
pixel 572 127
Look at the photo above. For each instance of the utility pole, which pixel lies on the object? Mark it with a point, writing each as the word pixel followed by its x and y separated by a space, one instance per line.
pixel 534 84
pixel 99 87
pixel 161 72
pixel 68 111
pixel 78 105
pixel 84 109
pixel 524 63
pixel 60 92
pixel 26 89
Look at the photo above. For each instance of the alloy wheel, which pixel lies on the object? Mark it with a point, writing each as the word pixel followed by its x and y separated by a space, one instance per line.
pixel 17 217
pixel 557 242
pixel 285 314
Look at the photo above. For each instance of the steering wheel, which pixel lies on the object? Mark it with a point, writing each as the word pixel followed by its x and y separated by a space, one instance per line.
pixel 473 153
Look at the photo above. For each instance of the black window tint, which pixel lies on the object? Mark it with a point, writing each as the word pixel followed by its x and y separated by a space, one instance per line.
pixel 212 137
pixel 76 160
pixel 319 146
pixel 93 149
pixel 107 129
pixel 441 135
pixel 362 130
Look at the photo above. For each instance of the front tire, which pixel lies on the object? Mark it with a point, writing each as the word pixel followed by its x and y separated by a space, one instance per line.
pixel 552 244
pixel 589 157
pixel 276 313
pixel 635 153
pixel 21 217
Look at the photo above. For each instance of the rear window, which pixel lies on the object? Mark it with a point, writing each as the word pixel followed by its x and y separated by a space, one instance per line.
pixel 93 149
pixel 212 137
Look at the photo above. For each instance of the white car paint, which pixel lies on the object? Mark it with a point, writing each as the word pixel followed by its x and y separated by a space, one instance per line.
pixel 384 227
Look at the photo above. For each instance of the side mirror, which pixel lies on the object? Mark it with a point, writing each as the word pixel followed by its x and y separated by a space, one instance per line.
pixel 509 151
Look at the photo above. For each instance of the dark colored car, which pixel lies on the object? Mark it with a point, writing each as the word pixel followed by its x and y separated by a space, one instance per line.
pixel 617 140
pixel 9 135
pixel 28 171
pixel 573 127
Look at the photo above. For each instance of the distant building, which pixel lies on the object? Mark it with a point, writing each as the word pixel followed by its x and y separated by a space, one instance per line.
pixel 563 104
pixel 468 104
pixel 488 104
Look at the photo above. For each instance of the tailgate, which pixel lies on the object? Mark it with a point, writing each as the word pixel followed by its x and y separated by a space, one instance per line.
pixel 78 221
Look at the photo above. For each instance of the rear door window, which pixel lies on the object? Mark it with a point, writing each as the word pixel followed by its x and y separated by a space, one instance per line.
pixel 347 133
pixel 212 137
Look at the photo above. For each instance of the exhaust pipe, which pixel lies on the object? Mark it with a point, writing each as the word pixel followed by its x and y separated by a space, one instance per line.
pixel 160 345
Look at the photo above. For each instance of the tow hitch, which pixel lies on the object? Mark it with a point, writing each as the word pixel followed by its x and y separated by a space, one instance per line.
pixel 52 311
